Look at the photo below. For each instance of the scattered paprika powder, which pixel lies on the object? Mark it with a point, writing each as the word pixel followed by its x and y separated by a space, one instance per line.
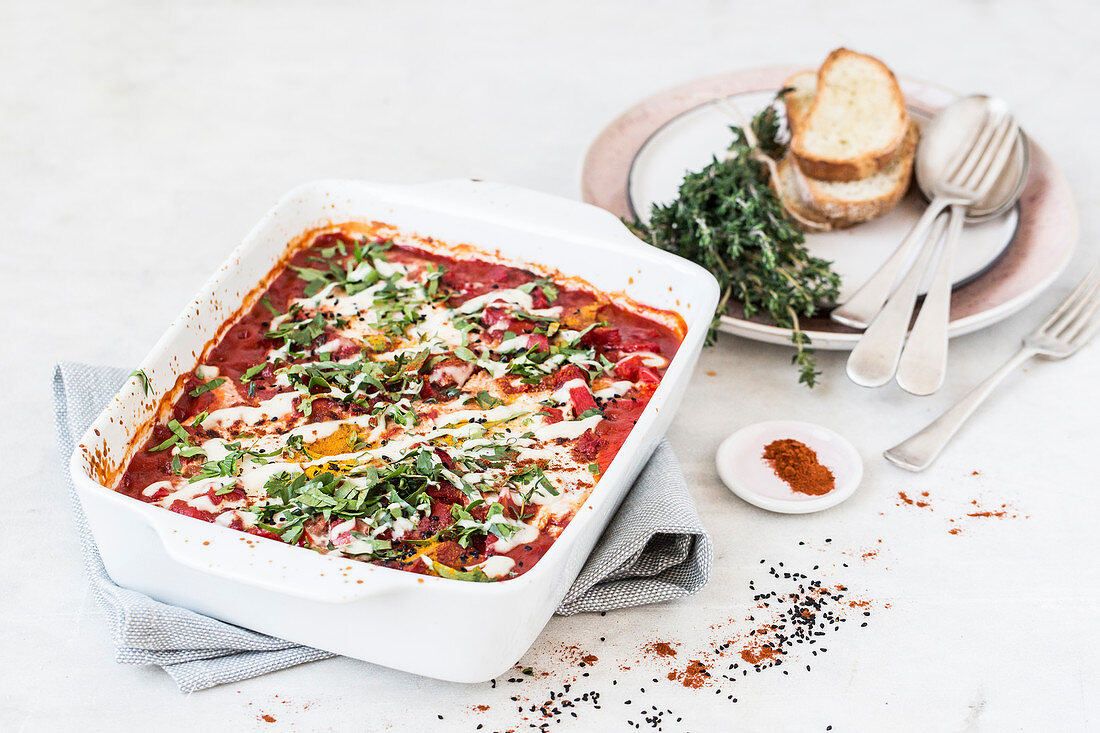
pixel 797 464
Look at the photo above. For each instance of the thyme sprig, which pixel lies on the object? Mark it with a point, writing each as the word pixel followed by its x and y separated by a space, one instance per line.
pixel 729 219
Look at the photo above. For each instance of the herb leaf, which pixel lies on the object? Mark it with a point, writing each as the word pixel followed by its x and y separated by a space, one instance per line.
pixel 252 371
pixel 728 219
pixel 207 386
pixel 487 401
pixel 477 575
pixel 143 380
pixel 179 436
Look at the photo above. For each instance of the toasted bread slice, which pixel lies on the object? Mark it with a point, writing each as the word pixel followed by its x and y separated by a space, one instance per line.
pixel 790 188
pixel 835 205
pixel 870 197
pixel 857 120
pixel 800 97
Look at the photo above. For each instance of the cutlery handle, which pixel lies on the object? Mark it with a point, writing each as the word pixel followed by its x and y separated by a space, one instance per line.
pixel 918 452
pixel 861 308
pixel 875 358
pixel 923 363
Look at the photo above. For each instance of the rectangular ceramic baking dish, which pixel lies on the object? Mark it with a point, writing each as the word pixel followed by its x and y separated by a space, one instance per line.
pixel 354 608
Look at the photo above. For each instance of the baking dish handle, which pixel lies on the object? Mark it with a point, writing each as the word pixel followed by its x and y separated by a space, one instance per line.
pixel 263 563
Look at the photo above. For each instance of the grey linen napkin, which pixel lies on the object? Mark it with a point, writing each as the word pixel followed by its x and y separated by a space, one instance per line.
pixel 655 549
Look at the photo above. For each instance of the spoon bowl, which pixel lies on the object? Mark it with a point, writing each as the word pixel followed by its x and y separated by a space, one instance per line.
pixel 947 132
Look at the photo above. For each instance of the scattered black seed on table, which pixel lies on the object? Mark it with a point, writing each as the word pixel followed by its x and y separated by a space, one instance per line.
pixel 800 615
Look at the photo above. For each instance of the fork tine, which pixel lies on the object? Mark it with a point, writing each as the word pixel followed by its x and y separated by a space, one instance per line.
pixel 966 160
pixel 1082 314
pixel 1088 331
pixel 992 163
pixel 1070 300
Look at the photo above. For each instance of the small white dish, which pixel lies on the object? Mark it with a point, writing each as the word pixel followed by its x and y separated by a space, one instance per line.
pixel 744 471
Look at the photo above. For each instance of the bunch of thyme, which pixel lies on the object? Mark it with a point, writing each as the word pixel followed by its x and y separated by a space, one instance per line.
pixel 730 220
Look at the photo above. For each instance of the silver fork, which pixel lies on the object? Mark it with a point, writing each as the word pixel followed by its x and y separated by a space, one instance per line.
pixel 1068 328
pixel 923 363
pixel 865 303
pixel 874 361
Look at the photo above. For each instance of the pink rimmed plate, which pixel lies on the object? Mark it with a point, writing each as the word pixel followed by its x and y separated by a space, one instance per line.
pixel 1002 265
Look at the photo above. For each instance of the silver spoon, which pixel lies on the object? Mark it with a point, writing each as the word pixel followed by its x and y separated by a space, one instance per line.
pixel 923 364
pixel 945 133
pixel 944 142
pixel 973 170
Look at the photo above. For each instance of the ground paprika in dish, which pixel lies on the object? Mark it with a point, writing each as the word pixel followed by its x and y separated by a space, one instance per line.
pixel 796 463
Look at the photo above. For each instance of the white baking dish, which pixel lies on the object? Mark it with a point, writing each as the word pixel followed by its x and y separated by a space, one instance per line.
pixel 353 608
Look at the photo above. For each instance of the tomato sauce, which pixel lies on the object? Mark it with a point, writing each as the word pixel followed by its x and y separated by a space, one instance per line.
pixel 638 347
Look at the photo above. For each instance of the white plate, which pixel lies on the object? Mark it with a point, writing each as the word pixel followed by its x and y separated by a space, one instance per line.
pixel 642 155
pixel 742 468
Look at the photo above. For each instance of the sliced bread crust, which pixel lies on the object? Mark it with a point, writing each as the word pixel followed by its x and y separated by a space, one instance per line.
pixel 802 88
pixel 868 198
pixel 836 205
pixel 795 199
pixel 856 122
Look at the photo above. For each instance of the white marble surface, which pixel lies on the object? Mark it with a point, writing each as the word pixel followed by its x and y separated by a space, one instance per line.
pixel 139 142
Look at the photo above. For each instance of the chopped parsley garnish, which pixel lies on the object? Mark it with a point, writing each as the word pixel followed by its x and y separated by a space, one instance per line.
pixel 533 480
pixel 386 386
pixel 298 333
pixel 207 386
pixel 228 467
pixel 466 526
pixel 252 372
pixel 266 302
pixel 179 437
pixel 378 495
pixel 487 401
pixel 351 489
pixel 143 380
pixel 476 575
pixel 545 284
pixel 358 273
